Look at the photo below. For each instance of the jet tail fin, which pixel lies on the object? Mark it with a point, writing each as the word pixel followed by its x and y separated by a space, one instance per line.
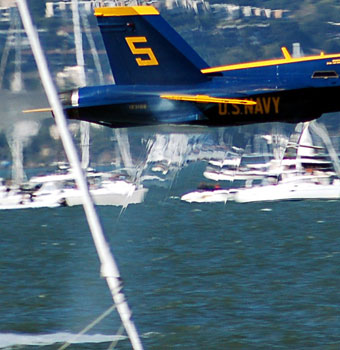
pixel 142 48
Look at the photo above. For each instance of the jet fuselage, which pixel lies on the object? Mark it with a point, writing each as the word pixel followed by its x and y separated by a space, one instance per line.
pixel 286 90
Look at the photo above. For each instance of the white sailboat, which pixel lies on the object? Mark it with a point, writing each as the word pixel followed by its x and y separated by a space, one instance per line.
pixel 105 189
pixel 239 165
pixel 297 189
pixel 304 174
pixel 18 130
pixel 110 192
pixel 59 188
pixel 207 194
pixel 166 154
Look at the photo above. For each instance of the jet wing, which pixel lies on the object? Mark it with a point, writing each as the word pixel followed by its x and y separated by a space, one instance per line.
pixel 208 99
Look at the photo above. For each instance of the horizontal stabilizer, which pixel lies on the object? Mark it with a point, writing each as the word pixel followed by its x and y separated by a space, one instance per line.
pixel 38 110
pixel 208 99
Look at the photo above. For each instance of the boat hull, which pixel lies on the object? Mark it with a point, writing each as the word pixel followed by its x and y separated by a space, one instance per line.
pixel 290 191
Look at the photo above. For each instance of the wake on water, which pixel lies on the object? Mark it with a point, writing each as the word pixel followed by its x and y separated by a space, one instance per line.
pixel 13 339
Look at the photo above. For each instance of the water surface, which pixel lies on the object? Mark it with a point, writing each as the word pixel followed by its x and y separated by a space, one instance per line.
pixel 203 276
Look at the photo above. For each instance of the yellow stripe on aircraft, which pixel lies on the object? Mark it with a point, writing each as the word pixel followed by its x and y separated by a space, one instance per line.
pixel 125 11
pixel 335 59
pixel 208 99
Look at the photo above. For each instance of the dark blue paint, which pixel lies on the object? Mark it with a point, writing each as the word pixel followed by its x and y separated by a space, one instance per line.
pixel 284 92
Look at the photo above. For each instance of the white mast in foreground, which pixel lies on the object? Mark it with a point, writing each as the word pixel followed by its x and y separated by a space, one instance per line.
pixel 109 268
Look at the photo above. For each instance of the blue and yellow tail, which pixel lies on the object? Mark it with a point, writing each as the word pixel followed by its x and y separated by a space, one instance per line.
pixel 142 48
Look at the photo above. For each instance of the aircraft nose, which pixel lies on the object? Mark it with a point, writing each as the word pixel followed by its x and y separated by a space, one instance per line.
pixel 69 98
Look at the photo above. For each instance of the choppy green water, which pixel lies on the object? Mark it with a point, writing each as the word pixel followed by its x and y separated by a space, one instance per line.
pixel 200 276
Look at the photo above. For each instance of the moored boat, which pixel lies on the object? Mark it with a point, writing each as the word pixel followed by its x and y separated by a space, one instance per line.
pixel 207 194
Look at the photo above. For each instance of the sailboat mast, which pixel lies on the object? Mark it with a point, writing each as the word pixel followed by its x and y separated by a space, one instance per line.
pixel 109 267
pixel 321 130
pixel 84 126
pixel 124 149
pixel 78 40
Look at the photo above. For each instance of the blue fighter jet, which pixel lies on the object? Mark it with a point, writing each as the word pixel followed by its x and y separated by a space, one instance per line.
pixel 160 79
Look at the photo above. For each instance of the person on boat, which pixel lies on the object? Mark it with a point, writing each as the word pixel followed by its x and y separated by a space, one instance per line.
pixel 208 187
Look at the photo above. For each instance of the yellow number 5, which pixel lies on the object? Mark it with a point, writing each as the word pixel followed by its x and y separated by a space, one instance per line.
pixel 151 61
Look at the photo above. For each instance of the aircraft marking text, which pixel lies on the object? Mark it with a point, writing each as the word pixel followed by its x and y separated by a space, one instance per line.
pixel 334 61
pixel 264 105
pixel 137 106
pixel 151 61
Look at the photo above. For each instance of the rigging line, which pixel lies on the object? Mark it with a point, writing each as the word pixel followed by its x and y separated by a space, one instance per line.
pixel 94 52
pixel 109 268
pixel 78 39
pixel 321 130
pixel 5 53
pixel 122 211
pixel 90 326
pixel 115 342
pixel 18 84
